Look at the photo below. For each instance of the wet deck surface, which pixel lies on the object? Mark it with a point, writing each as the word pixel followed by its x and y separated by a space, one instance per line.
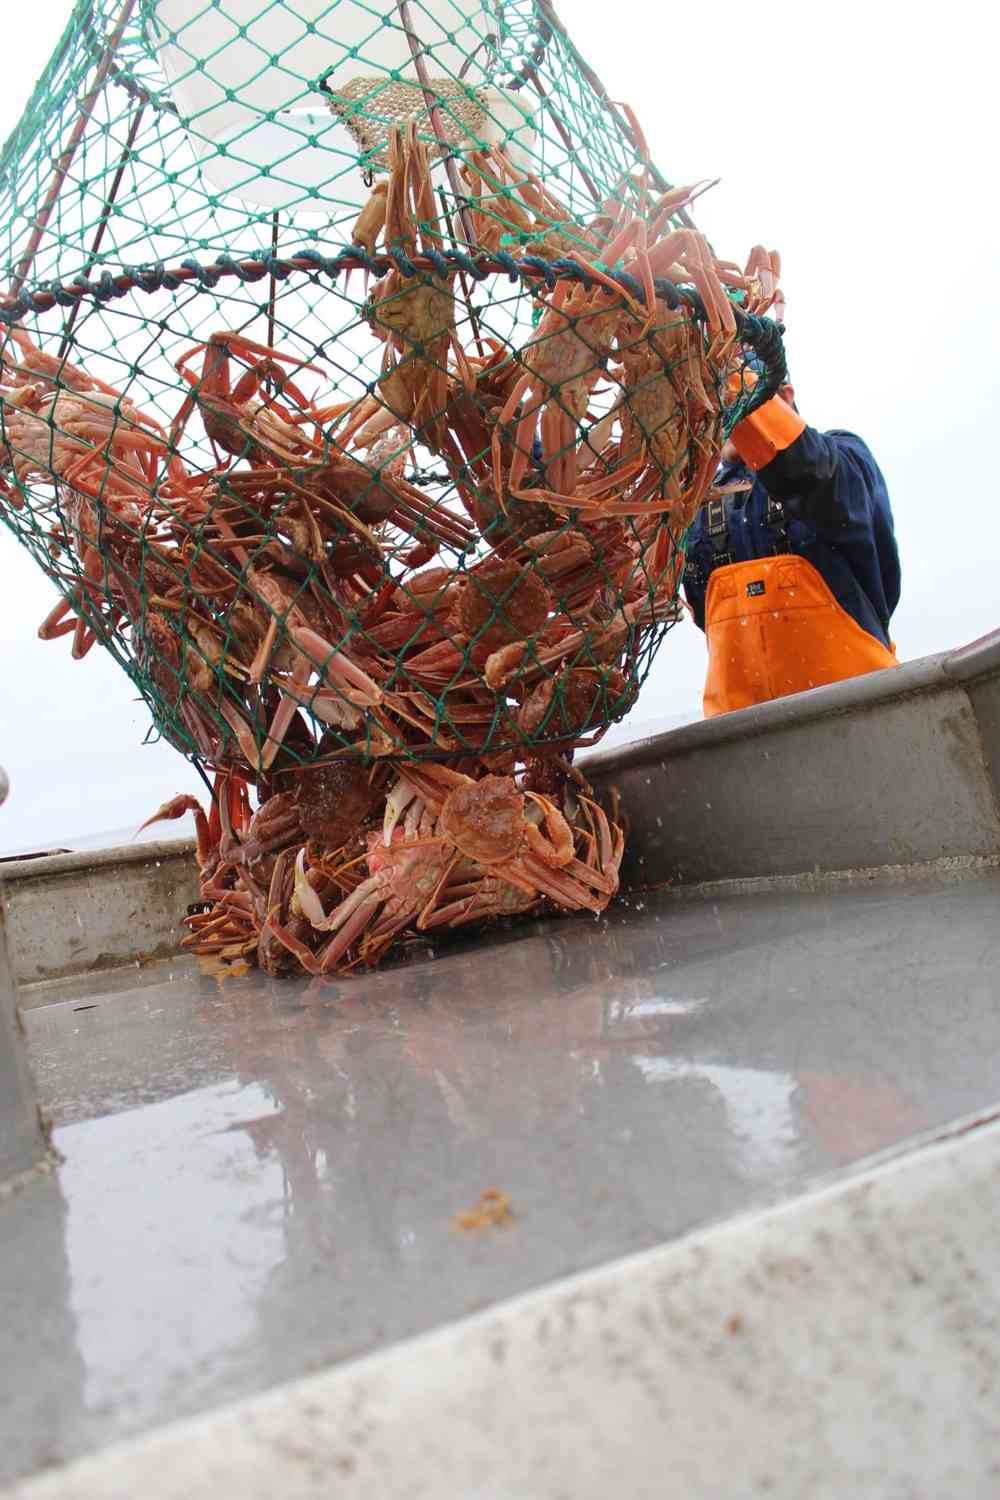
pixel 260 1177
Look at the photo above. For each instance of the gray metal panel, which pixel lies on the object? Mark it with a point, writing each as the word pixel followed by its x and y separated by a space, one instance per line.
pixel 73 913
pixel 984 695
pixel 260 1176
pixel 898 767
pixel 843 1345
pixel 889 784
pixel 977 667
pixel 818 704
pixel 22 1144
pixel 977 659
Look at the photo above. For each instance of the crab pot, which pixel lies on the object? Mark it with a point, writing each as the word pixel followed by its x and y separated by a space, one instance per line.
pixel 361 376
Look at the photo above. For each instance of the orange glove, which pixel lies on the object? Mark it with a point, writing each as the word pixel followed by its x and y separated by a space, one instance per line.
pixel 766 432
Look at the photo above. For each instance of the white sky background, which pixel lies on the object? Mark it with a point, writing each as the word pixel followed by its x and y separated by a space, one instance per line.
pixel 859 140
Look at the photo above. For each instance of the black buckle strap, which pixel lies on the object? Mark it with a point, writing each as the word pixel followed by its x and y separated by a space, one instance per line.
pixel 716 519
pixel 718 514
pixel 778 523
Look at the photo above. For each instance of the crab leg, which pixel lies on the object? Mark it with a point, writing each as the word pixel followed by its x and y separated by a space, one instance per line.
pixel 176 808
pixel 299 950
pixel 632 507
pixel 524 435
pixel 55 623
pixel 567 886
pixel 352 929
pixel 457 911
pixel 685 254
pixel 243 731
pixel 432 783
pixel 364 896
pixel 285 712
pixel 309 903
pixel 557 849
pixel 410 501
pixel 596 814
pixel 337 669
pixel 329 707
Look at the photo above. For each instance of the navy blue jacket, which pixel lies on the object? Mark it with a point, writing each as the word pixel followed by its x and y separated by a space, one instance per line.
pixel 836 515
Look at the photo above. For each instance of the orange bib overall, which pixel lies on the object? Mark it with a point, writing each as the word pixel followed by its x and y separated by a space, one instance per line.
pixel 773 627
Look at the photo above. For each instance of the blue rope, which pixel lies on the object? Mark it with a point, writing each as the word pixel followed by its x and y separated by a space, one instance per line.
pixel 148 278
pixel 62 295
pixel 105 289
pixel 240 269
pixel 206 276
pixel 762 335
pixel 402 263
pixel 544 269
pixel 508 263
pixel 438 261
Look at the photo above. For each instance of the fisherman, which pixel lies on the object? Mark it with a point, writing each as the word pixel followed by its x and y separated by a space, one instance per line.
pixel 795 577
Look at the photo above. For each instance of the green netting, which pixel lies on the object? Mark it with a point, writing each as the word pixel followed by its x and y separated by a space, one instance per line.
pixel 361 375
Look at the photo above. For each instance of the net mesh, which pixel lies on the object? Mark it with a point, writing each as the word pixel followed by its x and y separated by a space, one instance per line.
pixel 361 377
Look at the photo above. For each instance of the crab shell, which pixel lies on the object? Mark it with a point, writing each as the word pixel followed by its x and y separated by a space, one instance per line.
pixel 502 602
pixel 485 819
pixel 332 800
pixel 565 706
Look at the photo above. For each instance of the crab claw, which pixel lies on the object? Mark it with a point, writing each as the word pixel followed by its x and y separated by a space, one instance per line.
pixel 309 904
pixel 396 804
pixel 176 808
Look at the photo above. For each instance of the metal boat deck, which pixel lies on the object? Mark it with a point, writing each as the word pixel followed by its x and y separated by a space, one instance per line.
pixel 257 1180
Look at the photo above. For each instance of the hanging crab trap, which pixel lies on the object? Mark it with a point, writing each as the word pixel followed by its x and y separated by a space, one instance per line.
pixel 360 377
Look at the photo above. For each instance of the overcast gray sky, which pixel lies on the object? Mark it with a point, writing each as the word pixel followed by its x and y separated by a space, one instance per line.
pixel 858 139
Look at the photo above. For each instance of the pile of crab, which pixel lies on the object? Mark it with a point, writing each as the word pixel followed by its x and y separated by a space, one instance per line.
pixel 326 875
pixel 401 669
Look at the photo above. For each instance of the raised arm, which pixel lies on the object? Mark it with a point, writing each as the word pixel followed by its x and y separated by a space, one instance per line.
pixel 830 480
